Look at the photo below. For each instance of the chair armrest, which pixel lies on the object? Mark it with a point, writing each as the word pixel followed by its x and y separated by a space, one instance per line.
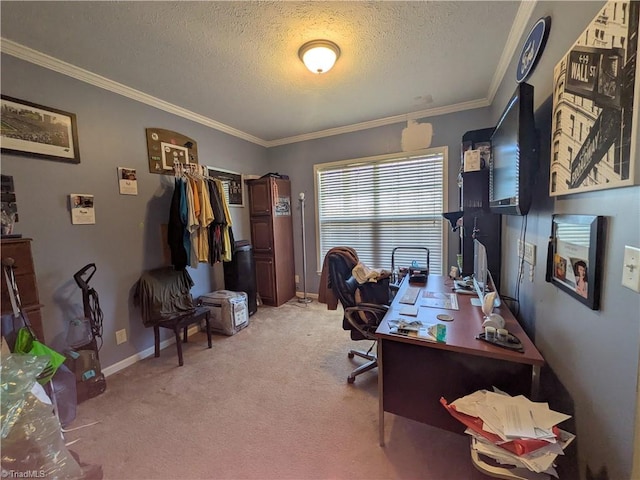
pixel 365 317
pixel 370 307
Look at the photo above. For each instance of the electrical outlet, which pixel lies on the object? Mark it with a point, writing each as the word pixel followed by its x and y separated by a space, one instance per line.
pixel 631 268
pixel 121 336
pixel 297 278
pixel 528 253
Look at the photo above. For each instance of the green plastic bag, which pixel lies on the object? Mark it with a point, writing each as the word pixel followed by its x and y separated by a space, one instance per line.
pixel 27 344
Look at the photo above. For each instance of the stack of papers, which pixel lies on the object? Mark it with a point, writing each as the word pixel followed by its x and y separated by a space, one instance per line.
pixel 433 332
pixel 512 430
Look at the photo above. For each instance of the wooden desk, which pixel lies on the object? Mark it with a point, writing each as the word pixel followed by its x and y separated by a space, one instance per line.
pixel 413 374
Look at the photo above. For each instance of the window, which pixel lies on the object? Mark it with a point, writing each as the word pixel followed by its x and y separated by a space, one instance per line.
pixel 376 204
pixel 572 127
pixel 580 136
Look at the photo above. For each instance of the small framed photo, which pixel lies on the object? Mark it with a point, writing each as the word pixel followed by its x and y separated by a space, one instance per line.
pixel 37 131
pixel 82 209
pixel 127 181
pixel 575 261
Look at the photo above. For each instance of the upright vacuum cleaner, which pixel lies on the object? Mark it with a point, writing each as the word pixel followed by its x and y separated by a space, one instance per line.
pixel 85 338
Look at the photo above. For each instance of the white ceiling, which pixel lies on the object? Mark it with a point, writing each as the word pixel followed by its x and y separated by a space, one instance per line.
pixel 234 65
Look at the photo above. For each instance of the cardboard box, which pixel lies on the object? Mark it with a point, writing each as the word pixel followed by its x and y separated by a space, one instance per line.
pixel 229 311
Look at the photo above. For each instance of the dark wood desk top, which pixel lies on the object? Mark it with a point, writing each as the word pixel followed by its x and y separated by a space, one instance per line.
pixel 462 331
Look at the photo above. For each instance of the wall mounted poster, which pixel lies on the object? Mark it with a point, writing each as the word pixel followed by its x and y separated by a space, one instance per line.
pixel 595 105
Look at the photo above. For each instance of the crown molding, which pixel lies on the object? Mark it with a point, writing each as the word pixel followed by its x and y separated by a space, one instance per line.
pixel 38 58
pixel 517 30
pixel 431 112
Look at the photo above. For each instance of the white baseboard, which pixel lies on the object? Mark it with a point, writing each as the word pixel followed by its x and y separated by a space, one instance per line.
pixel 127 362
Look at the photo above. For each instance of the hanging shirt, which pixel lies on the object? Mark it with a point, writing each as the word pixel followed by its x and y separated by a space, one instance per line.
pixel 215 229
pixel 175 229
pixel 192 224
pixel 184 218
pixel 226 239
pixel 204 219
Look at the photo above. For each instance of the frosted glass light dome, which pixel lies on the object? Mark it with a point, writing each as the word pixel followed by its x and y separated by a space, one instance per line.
pixel 319 56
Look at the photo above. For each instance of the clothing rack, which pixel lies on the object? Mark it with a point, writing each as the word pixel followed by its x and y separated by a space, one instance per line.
pixel 199 228
pixel 194 169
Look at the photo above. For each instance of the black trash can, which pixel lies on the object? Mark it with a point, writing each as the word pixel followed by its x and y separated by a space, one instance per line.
pixel 240 273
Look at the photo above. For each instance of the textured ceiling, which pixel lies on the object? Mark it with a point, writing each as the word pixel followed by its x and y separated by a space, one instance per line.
pixel 235 64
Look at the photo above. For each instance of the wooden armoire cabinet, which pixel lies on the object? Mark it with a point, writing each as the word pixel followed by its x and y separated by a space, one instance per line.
pixel 272 238
pixel 19 249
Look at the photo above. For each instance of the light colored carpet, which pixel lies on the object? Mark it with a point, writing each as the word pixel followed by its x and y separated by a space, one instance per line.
pixel 271 402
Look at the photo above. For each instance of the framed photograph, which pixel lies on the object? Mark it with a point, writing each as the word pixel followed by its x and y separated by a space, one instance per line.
pixel 127 181
pixel 575 260
pixel 38 131
pixel 232 185
pixel 82 209
pixel 595 105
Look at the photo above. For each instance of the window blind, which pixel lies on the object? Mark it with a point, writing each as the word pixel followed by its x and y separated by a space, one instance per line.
pixel 374 205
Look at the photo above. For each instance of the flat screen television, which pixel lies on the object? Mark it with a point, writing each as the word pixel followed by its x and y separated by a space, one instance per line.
pixel 514 155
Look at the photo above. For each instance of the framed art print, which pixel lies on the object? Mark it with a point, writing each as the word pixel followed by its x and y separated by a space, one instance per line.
pixel 37 131
pixel 594 143
pixel 231 183
pixel 576 256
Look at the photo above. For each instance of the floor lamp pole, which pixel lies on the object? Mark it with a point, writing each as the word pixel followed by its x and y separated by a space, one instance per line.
pixel 304 299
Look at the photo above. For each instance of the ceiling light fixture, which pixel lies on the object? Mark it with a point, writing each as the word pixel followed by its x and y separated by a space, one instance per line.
pixel 319 56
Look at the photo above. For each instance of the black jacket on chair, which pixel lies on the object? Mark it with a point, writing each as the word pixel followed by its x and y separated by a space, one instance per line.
pixel 350 293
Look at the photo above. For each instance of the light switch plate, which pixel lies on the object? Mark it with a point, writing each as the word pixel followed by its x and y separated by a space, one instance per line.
pixel 528 253
pixel 631 268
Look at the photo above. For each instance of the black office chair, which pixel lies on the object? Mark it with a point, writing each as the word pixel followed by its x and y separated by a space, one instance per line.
pixel 364 305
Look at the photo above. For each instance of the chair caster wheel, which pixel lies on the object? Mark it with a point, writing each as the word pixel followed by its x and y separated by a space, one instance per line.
pixel 351 379
pixel 350 355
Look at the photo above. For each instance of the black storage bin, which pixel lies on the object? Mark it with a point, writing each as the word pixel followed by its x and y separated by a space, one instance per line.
pixel 240 273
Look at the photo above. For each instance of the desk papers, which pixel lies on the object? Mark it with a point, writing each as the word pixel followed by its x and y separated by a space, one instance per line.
pixel 432 332
pixel 440 300
pixel 512 430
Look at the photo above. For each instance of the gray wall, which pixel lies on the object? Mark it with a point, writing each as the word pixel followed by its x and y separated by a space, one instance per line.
pixel 593 353
pixel 126 237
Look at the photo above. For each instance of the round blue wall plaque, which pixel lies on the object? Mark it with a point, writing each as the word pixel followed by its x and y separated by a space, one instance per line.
pixel 532 48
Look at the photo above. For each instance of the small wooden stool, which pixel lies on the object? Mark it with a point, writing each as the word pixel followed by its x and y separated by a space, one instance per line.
pixel 182 321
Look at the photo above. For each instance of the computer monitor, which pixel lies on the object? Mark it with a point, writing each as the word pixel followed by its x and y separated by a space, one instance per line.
pixel 482 281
